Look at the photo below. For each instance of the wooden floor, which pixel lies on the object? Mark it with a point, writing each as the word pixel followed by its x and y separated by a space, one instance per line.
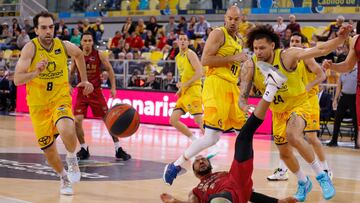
pixel 140 179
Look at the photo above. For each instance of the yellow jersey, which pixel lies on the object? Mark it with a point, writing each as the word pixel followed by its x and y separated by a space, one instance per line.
pixel 309 76
pixel 230 47
pixel 186 70
pixel 291 94
pixel 52 84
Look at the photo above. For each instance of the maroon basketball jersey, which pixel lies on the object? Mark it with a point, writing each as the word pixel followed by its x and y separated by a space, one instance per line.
pixel 93 68
pixel 211 184
pixel 357 51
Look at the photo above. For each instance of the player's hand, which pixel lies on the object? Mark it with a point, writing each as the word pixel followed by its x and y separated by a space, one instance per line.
pixel 40 67
pixel 166 198
pixel 179 85
pixel 178 93
pixel 345 31
pixel 88 87
pixel 327 64
pixel 113 92
pixel 288 200
pixel 241 57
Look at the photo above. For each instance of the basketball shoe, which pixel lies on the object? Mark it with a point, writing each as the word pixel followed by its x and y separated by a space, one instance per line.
pixel 121 154
pixel 272 75
pixel 279 175
pixel 170 173
pixel 74 173
pixel 326 185
pixel 303 189
pixel 65 186
pixel 83 153
pixel 329 173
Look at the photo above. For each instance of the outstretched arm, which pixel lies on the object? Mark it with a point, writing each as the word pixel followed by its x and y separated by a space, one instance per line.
pixel 167 198
pixel 349 62
pixel 315 68
pixel 246 82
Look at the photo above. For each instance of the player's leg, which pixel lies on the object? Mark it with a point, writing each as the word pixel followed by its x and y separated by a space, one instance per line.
pixel 358 115
pixel 180 126
pixel 352 108
pixel 120 153
pixel 198 118
pixel 339 115
pixel 84 148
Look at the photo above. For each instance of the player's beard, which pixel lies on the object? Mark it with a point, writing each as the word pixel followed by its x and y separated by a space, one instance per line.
pixel 204 172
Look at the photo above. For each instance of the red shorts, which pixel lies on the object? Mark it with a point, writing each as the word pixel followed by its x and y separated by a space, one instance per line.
pixel 95 100
pixel 240 180
pixel 358 106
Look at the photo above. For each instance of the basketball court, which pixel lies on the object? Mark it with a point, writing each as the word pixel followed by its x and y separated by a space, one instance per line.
pixel 25 176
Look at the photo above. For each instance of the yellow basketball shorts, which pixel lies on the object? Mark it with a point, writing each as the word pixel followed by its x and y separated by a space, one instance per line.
pixel 221 108
pixel 313 121
pixel 190 100
pixel 44 119
pixel 280 120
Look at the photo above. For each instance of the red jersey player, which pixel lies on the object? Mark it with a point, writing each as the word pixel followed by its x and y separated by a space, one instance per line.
pixel 94 60
pixel 346 66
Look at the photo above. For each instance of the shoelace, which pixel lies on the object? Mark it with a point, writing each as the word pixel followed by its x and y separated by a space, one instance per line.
pixel 301 190
pixel 324 184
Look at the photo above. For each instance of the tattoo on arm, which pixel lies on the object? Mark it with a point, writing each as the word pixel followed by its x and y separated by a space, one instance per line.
pixel 246 82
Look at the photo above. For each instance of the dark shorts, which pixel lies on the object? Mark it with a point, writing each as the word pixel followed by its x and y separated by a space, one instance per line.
pixel 95 100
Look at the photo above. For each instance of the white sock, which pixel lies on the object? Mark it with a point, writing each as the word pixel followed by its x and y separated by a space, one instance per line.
pixel 85 146
pixel 70 154
pixel 269 93
pixel 210 138
pixel 62 173
pixel 180 161
pixel 301 176
pixel 324 165
pixel 282 166
pixel 117 145
pixel 315 165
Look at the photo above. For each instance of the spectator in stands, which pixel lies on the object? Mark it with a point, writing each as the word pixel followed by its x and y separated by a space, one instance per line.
pixel 135 80
pixel 5 31
pixel 162 40
pixel 244 25
pixel 105 81
pixel 98 29
pixel 182 25
pixel 171 38
pixel 191 27
pixel 285 41
pixel 59 28
pixel 15 26
pixel 137 42
pixel 208 30
pixel 76 37
pixel 173 51
pixel 201 27
pixel 150 42
pixel 152 25
pixel 333 28
pixel 345 99
pixel 279 27
pixel 29 28
pixel 217 4
pixel 170 26
pixel 22 39
pixel 169 83
pixel 152 83
pixel 4 89
pixel 78 6
pixel 140 28
pixel 80 26
pixel 118 66
pixel 128 27
pixel 293 25
pixel 126 48
pixel 66 36
pixel 86 25
pixel 115 45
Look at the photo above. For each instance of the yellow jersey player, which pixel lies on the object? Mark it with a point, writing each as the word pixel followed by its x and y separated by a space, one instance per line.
pixel 312 76
pixel 223 55
pixel 43 68
pixel 290 105
pixel 189 93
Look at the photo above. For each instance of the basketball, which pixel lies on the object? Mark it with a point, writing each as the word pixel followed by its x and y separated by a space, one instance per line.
pixel 122 120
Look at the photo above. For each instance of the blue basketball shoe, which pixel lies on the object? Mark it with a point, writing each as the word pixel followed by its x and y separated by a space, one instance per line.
pixel 303 189
pixel 170 173
pixel 326 185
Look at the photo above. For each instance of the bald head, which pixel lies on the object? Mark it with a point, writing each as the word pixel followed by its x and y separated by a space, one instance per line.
pixel 232 19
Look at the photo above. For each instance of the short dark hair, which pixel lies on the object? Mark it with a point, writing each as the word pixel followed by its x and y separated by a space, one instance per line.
pixel 43 14
pixel 303 38
pixel 86 33
pixel 262 32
